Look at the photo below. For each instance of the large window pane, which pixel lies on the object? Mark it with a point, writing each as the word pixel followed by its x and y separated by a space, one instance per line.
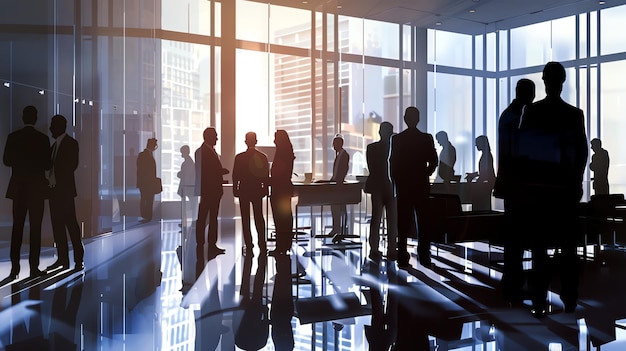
pixel 381 39
pixel 525 55
pixel 188 16
pixel 449 49
pixel 252 98
pixel 613 124
pixel 563 39
pixel 290 27
pixel 612 39
pixel 252 21
pixel 350 35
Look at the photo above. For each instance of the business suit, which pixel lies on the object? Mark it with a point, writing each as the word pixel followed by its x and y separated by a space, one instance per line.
pixel 62 194
pixel 413 159
pixel 552 186
pixel 379 185
pixel 250 184
pixel 27 152
pixel 209 180
pixel 146 176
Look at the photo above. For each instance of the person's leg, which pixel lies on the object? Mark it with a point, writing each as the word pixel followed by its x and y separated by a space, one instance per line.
pixel 35 215
pixel 203 212
pixel 391 209
pixel 214 207
pixel 423 235
pixel 57 218
pixel 244 209
pixel 143 205
pixel 73 230
pixel 513 273
pixel 335 211
pixel 17 233
pixel 377 212
pixel 405 217
pixel 259 222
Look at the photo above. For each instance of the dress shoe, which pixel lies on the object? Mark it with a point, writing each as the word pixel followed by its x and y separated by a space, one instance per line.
pixel 35 272
pixel 403 264
pixel 57 265
pixel 13 275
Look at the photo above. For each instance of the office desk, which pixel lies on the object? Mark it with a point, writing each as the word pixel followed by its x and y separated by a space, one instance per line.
pixel 328 193
pixel 478 194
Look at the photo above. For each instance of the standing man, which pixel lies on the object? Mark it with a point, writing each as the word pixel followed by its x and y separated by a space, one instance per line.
pixel 209 180
pixel 27 152
pixel 552 160
pixel 413 160
pixel 147 179
pixel 251 173
pixel 379 185
pixel 340 171
pixel 504 188
pixel 62 193
pixel 600 166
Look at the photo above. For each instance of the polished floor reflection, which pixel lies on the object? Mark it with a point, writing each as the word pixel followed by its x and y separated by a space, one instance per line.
pixel 136 295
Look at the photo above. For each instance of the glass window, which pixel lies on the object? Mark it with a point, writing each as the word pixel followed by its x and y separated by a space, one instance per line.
pixel 350 35
pixel 612 39
pixel 381 39
pixel 490 60
pixel 525 55
pixel 503 50
pixel 449 49
pixel 188 16
pixel 252 98
pixel 290 26
pixel 406 42
pixel 563 40
pixel 252 21
pixel 613 124
pixel 478 47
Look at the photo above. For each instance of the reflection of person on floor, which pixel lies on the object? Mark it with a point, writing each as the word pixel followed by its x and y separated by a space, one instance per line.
pixel 146 178
pixel 600 167
pixel 379 185
pixel 253 329
pixel 282 309
pixel 552 187
pixel 340 171
pixel 187 176
pixel 381 332
pixel 282 191
pixel 413 159
pixel 62 193
pixel 27 152
pixel 447 157
pixel 250 185
pixel 209 180
pixel 504 188
pixel 63 334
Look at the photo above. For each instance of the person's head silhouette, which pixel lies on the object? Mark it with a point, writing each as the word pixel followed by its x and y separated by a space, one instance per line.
pixel 210 136
pixel 29 115
pixel 58 124
pixel 442 137
pixel 338 142
pixel 251 139
pixel 185 150
pixel 553 78
pixel 525 91
pixel 482 143
pixel 385 131
pixel 596 144
pixel 411 116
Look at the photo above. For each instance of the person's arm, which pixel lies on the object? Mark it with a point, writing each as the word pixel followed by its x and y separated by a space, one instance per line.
pixel 235 176
pixel 432 156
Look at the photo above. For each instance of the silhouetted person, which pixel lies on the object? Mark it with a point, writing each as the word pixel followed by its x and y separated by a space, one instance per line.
pixel 209 180
pixel 600 167
pixel 187 176
pixel 383 297
pixel 340 171
pixel 504 188
pixel 379 185
pixel 146 179
pixel 486 172
pixel 484 178
pixel 553 156
pixel 253 329
pixel 282 309
pixel 27 152
pixel 447 157
pixel 62 184
pixel 413 159
pixel 282 191
pixel 250 185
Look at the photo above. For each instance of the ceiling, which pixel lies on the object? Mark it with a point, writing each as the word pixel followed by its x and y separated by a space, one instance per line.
pixel 454 15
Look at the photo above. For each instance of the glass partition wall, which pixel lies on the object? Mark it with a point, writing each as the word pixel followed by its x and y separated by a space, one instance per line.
pixel 123 72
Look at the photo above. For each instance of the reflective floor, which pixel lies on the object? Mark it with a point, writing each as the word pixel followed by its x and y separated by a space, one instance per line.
pixel 136 295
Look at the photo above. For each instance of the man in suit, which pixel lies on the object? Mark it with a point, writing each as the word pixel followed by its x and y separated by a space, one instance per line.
pixel 413 160
pixel 27 152
pixel 251 172
pixel 209 180
pixel 146 179
pixel 379 185
pixel 340 171
pixel 504 188
pixel 62 184
pixel 552 159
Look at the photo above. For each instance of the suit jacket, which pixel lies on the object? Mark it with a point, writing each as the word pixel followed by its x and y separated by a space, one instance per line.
pixel 379 179
pixel 146 170
pixel 251 172
pixel 552 150
pixel 27 152
pixel 341 166
pixel 508 125
pixel 64 165
pixel 413 159
pixel 209 172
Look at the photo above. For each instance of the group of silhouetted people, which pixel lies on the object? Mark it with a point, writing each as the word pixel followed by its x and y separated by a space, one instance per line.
pixel 41 171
